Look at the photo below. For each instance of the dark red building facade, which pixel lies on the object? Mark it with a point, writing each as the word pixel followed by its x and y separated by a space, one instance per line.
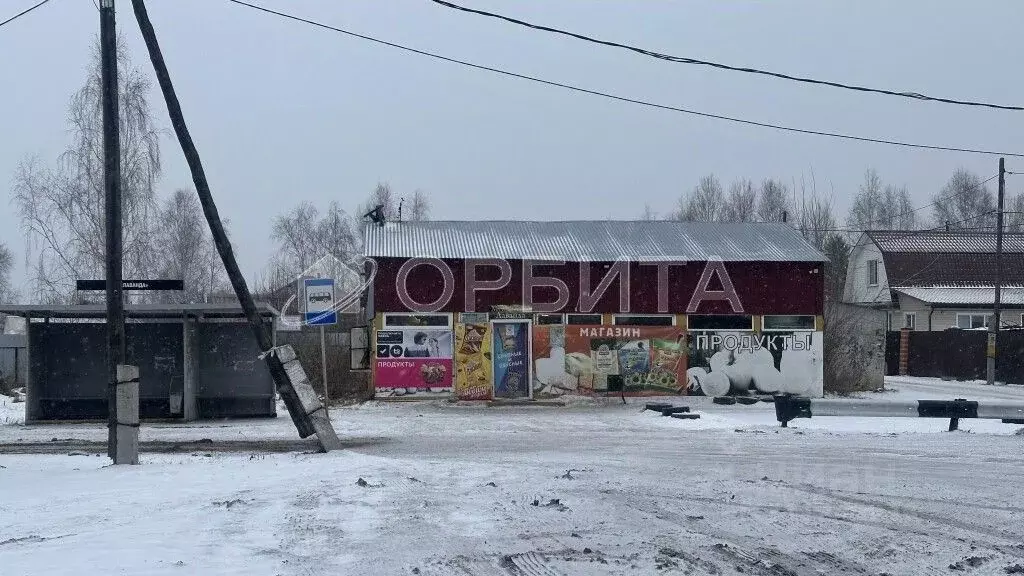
pixel 528 310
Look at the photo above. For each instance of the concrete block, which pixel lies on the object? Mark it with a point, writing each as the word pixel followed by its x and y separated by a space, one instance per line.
pixel 126 373
pixel 126 436
pixel 307 396
pixel 286 353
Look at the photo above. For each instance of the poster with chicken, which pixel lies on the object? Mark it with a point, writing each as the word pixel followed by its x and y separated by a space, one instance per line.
pixel 745 363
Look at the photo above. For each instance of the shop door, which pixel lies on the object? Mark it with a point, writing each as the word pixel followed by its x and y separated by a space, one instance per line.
pixel 511 358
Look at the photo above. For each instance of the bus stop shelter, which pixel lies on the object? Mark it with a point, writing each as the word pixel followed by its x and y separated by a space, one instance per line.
pixel 195 361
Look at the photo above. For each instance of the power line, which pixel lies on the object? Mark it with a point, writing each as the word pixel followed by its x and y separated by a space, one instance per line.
pixel 687 60
pixel 627 99
pixel 22 13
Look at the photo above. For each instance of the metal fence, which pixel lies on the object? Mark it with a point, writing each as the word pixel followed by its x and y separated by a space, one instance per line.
pixel 958 355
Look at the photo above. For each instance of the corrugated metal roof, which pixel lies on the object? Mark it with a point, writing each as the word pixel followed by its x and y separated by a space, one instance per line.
pixel 933 241
pixel 591 241
pixel 951 269
pixel 1009 296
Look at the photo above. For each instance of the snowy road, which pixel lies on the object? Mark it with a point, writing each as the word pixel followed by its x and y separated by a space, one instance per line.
pixel 467 490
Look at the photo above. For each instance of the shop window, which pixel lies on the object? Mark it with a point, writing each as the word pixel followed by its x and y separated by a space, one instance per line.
pixel 697 322
pixel 589 319
pixel 636 320
pixel 548 319
pixel 968 321
pixel 473 317
pixel 787 323
pixel 402 320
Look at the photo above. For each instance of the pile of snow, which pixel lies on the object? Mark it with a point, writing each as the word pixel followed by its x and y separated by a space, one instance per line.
pixel 12 410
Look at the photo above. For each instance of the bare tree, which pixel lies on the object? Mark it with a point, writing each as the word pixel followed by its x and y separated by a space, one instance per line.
pixel 305 237
pixel 62 208
pixel 705 204
pixel 419 207
pixel 185 250
pixel 414 209
pixel 1014 218
pixel 881 207
pixel 648 214
pixel 868 209
pixel 964 202
pixel 902 215
pixel 774 203
pixel 7 294
pixel 741 205
pixel 817 220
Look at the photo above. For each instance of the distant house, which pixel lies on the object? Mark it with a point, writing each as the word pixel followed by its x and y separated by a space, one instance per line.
pixel 935 280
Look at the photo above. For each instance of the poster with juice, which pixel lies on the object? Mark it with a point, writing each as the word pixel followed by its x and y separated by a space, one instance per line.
pixel 511 360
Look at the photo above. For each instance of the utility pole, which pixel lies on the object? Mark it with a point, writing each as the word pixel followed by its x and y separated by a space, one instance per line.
pixel 112 189
pixel 295 391
pixel 993 329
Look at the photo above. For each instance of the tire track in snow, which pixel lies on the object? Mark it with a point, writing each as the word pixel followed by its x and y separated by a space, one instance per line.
pixel 759 560
pixel 1010 537
pixel 527 564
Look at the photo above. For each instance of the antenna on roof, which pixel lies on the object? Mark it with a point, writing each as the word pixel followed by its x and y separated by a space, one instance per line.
pixel 785 215
pixel 947 225
pixel 376 215
pixel 400 202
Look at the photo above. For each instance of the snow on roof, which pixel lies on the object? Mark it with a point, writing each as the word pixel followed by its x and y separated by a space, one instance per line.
pixel 1009 296
pixel 591 241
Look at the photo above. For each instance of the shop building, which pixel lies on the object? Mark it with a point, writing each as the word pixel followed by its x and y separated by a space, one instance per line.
pixel 514 309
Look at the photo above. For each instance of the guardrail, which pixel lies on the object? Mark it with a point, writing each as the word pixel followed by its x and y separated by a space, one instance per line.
pixel 788 408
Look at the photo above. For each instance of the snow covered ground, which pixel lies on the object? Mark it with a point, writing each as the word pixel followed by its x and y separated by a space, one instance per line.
pixel 595 488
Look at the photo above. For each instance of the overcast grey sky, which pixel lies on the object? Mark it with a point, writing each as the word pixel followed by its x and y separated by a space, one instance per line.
pixel 283 112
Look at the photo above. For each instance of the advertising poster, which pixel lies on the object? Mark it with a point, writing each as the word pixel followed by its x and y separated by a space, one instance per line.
pixel 644 360
pixel 413 361
pixel 473 376
pixel 511 360
pixel 742 363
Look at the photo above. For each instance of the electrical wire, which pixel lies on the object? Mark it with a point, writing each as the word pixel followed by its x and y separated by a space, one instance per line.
pixel 687 60
pixel 627 99
pixel 22 13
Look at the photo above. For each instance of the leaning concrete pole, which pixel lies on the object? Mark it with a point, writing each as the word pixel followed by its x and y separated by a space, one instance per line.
pixel 309 416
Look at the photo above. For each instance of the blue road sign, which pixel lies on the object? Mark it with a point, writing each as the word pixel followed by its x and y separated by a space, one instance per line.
pixel 319 294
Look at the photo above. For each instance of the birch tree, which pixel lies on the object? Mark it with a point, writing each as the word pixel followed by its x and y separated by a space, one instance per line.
pixel 741 205
pixel 773 205
pixel 416 208
pixel 1013 220
pixel 705 204
pixel 964 202
pixel 7 294
pixel 62 205
pixel 185 250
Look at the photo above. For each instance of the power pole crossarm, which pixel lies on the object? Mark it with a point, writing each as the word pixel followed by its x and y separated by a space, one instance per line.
pixel 993 334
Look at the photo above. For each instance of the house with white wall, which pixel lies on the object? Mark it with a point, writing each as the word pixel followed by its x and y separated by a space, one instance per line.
pixel 936 280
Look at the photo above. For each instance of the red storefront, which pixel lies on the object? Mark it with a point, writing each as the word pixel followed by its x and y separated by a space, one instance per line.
pixel 530 309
